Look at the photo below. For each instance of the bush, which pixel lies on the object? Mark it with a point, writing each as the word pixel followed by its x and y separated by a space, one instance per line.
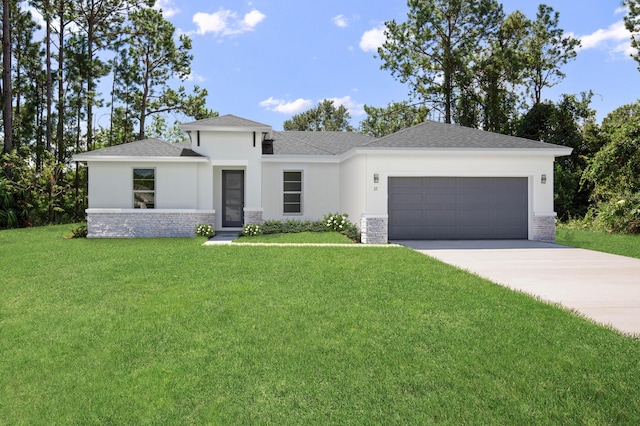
pixel 620 214
pixel 291 226
pixel 80 231
pixel 251 230
pixel 339 222
pixel 205 230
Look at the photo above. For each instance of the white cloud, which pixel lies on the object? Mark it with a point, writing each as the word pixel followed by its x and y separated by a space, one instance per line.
pixel 355 108
pixel 226 22
pixel 616 39
pixel 167 7
pixel 372 39
pixel 196 78
pixel 621 9
pixel 252 19
pixel 340 21
pixel 286 107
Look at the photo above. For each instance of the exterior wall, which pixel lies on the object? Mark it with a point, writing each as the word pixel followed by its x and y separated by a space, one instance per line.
pixel 353 188
pixel 456 163
pixel 321 189
pixel 233 151
pixel 111 185
pixel 140 223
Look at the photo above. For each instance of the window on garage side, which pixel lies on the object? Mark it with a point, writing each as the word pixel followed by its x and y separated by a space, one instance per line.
pixel 144 188
pixel 292 192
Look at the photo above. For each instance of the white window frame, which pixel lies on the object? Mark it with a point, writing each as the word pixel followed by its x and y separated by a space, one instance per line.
pixel 286 192
pixel 138 191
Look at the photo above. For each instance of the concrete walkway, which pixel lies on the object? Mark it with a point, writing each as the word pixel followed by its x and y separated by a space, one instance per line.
pixel 600 286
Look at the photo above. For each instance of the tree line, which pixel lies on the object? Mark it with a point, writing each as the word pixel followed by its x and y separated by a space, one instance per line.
pixel 49 94
pixel 463 61
pixel 469 63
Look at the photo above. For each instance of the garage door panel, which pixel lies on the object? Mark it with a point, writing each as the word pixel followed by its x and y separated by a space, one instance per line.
pixel 408 182
pixel 410 217
pixel 436 200
pixel 407 199
pixel 458 208
pixel 470 218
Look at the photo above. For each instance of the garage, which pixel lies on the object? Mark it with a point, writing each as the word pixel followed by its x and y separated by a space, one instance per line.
pixel 458 208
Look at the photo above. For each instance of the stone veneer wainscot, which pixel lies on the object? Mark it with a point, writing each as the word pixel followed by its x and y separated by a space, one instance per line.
pixel 143 223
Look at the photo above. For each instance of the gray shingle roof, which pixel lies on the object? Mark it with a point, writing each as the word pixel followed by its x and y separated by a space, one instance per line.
pixel 317 143
pixel 227 120
pixel 144 148
pixel 432 134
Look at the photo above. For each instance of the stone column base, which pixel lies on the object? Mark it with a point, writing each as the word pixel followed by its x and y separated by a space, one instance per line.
pixel 374 229
pixel 544 227
pixel 253 217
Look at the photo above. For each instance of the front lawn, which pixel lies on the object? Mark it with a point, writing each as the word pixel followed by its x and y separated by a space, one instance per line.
pixel 167 331
pixel 622 244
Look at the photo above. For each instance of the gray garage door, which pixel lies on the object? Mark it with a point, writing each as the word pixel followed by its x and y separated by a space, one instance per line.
pixel 457 208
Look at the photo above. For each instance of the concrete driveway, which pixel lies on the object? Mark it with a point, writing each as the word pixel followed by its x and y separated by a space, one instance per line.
pixel 601 286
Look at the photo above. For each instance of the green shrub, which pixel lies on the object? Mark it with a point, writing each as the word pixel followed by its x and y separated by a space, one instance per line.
pixel 291 226
pixel 205 230
pixel 332 222
pixel 339 222
pixel 619 215
pixel 252 230
pixel 79 232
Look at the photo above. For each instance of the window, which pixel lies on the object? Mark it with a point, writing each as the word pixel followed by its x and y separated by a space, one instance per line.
pixel 292 194
pixel 144 188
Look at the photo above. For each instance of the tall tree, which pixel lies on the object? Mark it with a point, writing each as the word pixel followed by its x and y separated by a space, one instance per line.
pixel 431 50
pixel 153 60
pixel 615 169
pixel 102 22
pixel 7 97
pixel 489 99
pixel 567 122
pixel 27 76
pixel 394 117
pixel 324 117
pixel 632 22
pixel 546 50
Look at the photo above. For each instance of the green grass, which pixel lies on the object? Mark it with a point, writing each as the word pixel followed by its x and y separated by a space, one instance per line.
pixel 298 238
pixel 622 244
pixel 172 332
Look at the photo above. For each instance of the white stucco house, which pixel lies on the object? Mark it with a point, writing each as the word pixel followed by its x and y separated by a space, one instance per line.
pixel 431 181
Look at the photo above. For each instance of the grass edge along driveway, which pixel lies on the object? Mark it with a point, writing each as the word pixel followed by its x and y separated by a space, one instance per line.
pixel 168 331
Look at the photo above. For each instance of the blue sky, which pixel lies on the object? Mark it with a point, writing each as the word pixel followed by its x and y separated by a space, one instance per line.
pixel 267 60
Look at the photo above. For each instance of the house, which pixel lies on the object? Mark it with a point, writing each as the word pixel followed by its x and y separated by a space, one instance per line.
pixel 430 181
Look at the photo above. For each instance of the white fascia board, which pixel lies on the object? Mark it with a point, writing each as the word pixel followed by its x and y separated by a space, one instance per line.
pixel 134 159
pixel 529 152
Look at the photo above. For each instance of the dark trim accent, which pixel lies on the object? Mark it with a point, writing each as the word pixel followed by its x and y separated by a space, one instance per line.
pixel 254 139
pixel 198 137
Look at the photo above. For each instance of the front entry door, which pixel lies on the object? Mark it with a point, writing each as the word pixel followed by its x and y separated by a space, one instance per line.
pixel 232 198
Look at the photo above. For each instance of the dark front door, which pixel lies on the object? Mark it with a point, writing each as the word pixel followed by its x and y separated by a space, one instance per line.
pixel 232 198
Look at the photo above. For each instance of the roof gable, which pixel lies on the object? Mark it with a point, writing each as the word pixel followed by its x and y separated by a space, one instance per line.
pixel 227 121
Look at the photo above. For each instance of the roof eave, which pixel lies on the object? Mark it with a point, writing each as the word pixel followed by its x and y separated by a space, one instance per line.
pixel 82 158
